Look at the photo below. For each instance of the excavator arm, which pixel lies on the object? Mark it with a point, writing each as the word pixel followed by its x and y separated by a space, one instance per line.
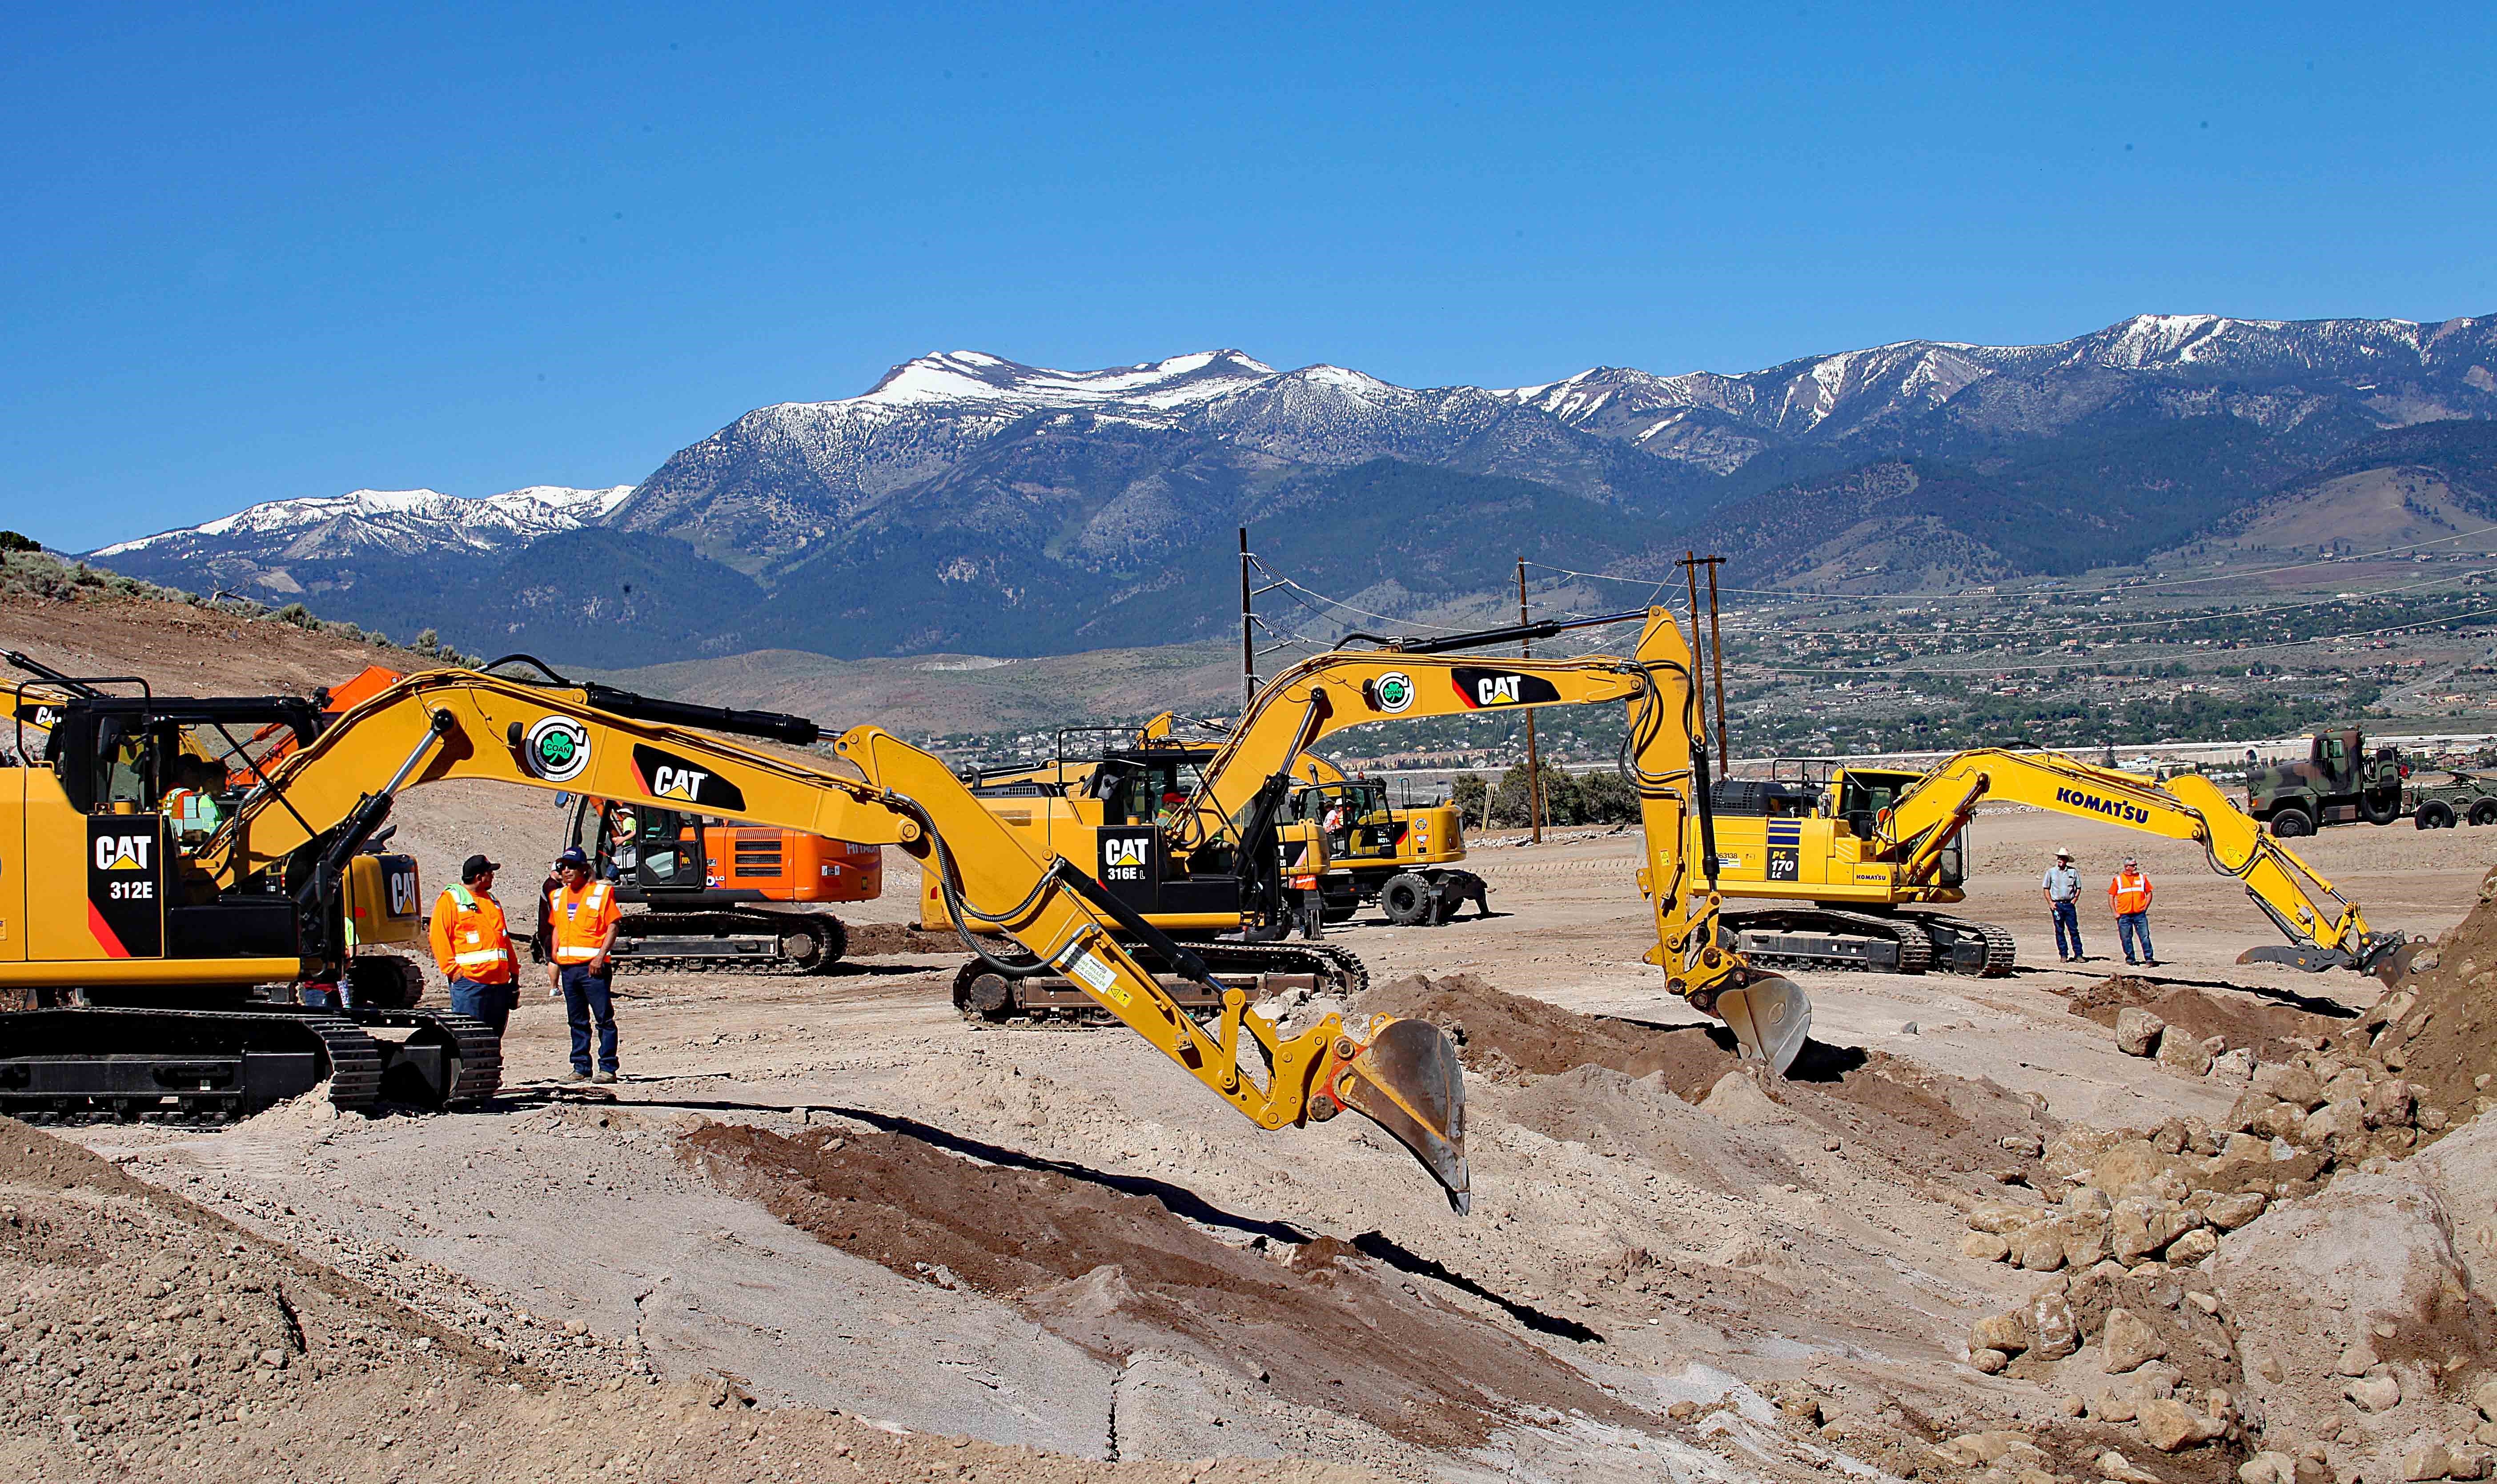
pixel 2324 929
pixel 1664 756
pixel 461 724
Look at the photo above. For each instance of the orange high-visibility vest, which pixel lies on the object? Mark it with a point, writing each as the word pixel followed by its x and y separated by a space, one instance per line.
pixel 580 920
pixel 2129 891
pixel 472 941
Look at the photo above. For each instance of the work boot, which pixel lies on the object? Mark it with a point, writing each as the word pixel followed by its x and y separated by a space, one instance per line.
pixel 574 1077
pixel 604 1078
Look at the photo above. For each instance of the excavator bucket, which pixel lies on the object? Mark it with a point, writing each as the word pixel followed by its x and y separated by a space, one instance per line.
pixel 1407 1081
pixel 1771 1017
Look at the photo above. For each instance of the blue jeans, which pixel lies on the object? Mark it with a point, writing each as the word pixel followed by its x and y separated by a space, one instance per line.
pixel 2068 929
pixel 585 995
pixel 2129 926
pixel 489 1002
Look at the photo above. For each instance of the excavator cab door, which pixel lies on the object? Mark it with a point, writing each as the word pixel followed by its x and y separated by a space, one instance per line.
pixel 668 851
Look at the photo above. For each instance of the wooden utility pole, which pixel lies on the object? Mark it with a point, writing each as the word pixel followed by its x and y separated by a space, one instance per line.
pixel 1533 760
pixel 1247 635
pixel 1712 661
pixel 1716 665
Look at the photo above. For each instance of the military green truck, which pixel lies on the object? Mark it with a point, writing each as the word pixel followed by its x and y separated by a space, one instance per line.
pixel 2340 782
pixel 2442 803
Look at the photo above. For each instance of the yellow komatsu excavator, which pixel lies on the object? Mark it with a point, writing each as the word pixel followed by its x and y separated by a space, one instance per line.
pixel 1231 814
pixel 1860 844
pixel 269 895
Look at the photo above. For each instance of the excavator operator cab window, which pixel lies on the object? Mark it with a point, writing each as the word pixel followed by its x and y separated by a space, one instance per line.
pixel 1145 790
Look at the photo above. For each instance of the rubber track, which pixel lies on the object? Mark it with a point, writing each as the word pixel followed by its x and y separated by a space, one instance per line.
pixel 355 1077
pixel 1343 965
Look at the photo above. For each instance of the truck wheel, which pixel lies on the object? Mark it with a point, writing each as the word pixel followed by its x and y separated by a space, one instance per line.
pixel 2485 812
pixel 1408 899
pixel 2382 810
pixel 2436 815
pixel 2288 824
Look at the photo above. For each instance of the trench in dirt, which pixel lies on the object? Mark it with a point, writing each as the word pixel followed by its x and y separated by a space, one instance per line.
pixel 1114 1274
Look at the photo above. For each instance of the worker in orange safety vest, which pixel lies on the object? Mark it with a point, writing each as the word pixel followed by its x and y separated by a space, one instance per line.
pixel 2129 892
pixel 582 915
pixel 472 946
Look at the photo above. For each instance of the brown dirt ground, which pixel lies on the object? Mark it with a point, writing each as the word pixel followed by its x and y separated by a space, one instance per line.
pixel 1927 1122
pixel 2272 1032
pixel 149 1338
pixel 1117 1273
pixel 2448 1038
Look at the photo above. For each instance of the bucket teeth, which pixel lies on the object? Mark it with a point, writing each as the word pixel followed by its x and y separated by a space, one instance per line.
pixel 1407 1081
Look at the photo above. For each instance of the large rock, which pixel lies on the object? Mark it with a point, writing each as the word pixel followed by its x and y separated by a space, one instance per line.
pixel 2142 1225
pixel 2389 1103
pixel 2181 1054
pixel 2137 1031
pixel 2346 1118
pixel 2055 1332
pixel 2128 1168
pixel 2462 1167
pixel 2309 1278
pixel 2285 1082
pixel 2128 1341
pixel 2170 1425
pixel 2006 1332
pixel 2227 1212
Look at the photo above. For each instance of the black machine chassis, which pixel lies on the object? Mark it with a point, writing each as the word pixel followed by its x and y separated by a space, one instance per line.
pixel 729 923
pixel 211 1067
pixel 1330 970
pixel 1875 942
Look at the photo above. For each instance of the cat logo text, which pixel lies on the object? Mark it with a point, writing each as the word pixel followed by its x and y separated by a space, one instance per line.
pixel 677 784
pixel 123 852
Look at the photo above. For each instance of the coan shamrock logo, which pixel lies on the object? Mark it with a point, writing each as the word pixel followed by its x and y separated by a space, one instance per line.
pixel 1393 692
pixel 556 750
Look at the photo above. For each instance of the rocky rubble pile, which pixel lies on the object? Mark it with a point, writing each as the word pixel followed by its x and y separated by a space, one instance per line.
pixel 2210 1287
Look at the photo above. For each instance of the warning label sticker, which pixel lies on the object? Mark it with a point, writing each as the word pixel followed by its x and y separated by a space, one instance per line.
pixel 1096 974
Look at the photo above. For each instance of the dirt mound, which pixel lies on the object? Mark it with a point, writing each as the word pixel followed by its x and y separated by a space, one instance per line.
pixel 1119 1275
pixel 1616 1115
pixel 1927 1122
pixel 157 1341
pixel 2272 1032
pixel 868 940
pixel 1500 1033
pixel 2439 1027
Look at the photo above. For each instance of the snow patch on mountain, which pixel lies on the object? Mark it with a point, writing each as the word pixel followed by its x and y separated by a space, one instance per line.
pixel 402 521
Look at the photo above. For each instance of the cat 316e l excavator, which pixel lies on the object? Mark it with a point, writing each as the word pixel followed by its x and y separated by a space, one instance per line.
pixel 1857 844
pixel 1141 860
pixel 267 898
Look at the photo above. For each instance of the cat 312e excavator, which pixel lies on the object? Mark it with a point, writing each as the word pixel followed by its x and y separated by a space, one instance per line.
pixel 147 957
pixel 1141 854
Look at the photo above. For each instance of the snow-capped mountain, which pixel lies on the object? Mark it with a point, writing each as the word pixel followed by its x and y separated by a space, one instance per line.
pixel 404 522
pixel 966 501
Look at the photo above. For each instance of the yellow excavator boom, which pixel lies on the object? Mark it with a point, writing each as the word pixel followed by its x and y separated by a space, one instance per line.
pixel 1665 755
pixel 462 724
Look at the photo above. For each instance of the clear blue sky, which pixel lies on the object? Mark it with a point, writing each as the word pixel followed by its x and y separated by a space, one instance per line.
pixel 253 253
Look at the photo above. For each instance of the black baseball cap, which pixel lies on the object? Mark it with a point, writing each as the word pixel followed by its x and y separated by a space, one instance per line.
pixel 477 866
pixel 573 855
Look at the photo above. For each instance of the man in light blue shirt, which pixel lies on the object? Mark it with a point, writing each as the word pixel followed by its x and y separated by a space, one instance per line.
pixel 2063 889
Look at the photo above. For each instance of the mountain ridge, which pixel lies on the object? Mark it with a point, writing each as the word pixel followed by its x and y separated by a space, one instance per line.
pixel 969 502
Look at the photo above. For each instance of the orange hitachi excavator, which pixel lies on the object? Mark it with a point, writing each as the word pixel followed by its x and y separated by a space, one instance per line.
pixel 142 962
